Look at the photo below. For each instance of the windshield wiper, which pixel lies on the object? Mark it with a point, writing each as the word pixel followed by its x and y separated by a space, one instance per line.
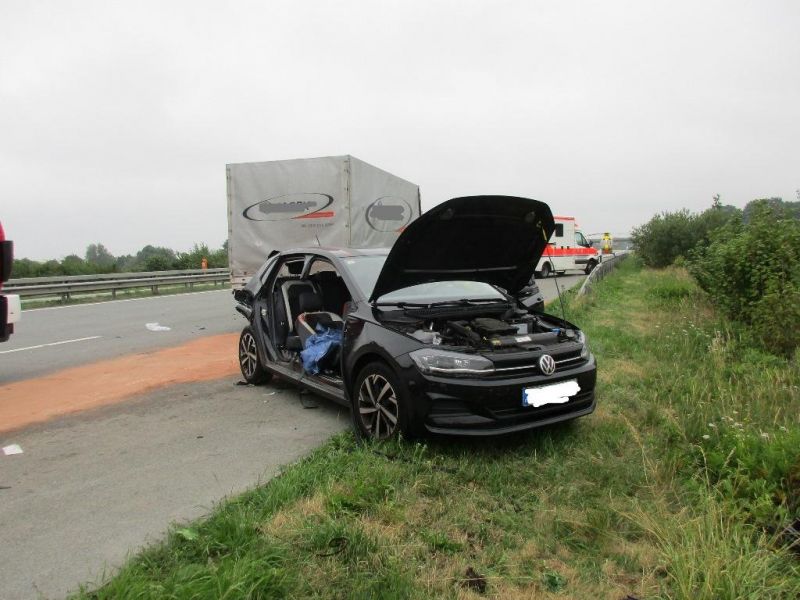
pixel 461 302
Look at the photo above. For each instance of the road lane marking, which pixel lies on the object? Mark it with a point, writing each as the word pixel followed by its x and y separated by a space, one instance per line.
pixel 83 339
pixel 155 297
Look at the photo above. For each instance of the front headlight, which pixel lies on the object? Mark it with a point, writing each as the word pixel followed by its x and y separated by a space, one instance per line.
pixel 442 362
pixel 585 350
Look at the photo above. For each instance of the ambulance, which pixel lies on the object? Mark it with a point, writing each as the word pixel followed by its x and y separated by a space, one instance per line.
pixel 568 249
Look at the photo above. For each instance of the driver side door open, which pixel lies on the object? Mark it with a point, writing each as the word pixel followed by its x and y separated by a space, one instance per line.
pixel 305 296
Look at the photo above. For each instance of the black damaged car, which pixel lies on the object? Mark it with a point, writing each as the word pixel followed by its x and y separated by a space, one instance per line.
pixel 442 333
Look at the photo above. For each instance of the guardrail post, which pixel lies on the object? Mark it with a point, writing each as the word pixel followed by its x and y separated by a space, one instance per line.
pixel 154 289
pixel 114 294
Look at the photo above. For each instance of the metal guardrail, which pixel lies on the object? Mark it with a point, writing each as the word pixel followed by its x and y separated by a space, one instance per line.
pixel 67 285
pixel 601 270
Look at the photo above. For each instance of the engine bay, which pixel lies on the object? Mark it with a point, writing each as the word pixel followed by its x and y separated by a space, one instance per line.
pixel 518 330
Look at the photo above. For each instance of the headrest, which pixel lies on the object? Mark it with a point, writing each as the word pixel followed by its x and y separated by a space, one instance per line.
pixel 326 275
pixel 310 302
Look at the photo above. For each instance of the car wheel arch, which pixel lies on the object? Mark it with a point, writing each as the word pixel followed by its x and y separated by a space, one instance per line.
pixel 367 357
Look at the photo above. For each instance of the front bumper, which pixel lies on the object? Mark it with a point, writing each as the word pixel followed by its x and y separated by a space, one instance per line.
pixel 493 406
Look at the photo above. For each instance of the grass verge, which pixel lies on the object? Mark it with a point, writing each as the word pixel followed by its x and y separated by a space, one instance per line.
pixel 677 487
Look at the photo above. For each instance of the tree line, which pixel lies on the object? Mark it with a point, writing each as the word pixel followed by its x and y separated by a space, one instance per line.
pixel 97 259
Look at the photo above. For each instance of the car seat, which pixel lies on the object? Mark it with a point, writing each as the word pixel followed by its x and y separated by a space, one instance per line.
pixel 311 315
pixel 333 289
pixel 292 290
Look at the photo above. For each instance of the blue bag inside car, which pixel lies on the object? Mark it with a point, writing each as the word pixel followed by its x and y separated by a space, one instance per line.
pixel 320 345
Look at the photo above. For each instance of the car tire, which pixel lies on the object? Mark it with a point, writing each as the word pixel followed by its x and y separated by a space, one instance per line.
pixel 545 270
pixel 249 361
pixel 379 413
pixel 590 266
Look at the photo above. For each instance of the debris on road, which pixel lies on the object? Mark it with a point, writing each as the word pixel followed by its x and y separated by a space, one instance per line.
pixel 307 400
pixel 157 327
pixel 12 449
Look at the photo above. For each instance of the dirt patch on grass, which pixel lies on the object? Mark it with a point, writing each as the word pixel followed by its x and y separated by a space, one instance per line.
pixel 616 369
pixel 107 382
pixel 645 321
pixel 291 517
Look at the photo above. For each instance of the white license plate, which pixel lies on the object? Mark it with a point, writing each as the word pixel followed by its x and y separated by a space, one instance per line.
pixel 556 393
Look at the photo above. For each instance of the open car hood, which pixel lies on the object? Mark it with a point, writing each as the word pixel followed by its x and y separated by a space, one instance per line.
pixel 494 239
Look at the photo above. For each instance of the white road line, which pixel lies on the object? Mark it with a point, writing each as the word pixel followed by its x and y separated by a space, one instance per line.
pixel 30 310
pixel 91 337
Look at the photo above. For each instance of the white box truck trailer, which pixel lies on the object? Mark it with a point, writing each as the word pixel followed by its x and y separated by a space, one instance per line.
pixel 335 201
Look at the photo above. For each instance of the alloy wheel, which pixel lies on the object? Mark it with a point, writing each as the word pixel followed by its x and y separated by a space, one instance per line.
pixel 248 356
pixel 377 407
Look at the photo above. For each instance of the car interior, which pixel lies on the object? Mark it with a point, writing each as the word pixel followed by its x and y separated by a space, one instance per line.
pixel 301 303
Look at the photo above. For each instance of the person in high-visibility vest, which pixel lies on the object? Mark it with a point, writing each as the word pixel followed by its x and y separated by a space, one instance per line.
pixel 204 263
pixel 606 243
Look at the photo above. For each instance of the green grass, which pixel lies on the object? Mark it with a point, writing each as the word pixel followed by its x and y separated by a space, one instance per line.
pixel 166 290
pixel 676 487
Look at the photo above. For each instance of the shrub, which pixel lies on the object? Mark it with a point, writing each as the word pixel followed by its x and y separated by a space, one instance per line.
pixel 669 237
pixel 193 258
pixel 751 271
pixel 665 237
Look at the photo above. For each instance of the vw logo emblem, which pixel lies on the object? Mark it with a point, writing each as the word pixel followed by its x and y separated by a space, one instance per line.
pixel 546 364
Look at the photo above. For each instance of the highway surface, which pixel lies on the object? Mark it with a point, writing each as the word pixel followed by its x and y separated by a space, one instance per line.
pixel 49 339
pixel 92 487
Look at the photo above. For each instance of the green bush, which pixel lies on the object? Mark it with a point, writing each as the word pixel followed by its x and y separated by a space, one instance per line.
pixel 217 259
pixel 669 237
pixel 665 237
pixel 751 271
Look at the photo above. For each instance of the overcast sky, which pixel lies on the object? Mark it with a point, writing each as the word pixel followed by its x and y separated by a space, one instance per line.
pixel 117 118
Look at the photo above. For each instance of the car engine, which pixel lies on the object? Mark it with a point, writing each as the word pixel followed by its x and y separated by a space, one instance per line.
pixel 519 330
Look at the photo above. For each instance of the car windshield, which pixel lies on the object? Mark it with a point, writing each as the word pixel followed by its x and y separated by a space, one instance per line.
pixel 365 270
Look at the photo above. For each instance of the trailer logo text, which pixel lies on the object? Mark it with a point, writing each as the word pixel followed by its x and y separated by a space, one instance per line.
pixel 290 206
pixel 389 213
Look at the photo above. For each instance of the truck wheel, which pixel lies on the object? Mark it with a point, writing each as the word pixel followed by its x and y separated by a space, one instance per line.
pixel 249 362
pixel 546 270
pixel 590 266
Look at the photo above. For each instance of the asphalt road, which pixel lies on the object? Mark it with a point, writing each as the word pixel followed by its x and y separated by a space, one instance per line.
pixel 565 282
pixel 91 488
pixel 50 339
